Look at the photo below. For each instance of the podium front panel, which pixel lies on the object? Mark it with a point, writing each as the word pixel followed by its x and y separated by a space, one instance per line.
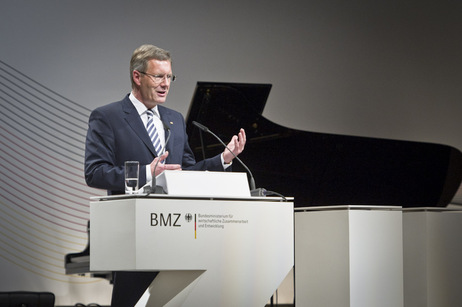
pixel 245 247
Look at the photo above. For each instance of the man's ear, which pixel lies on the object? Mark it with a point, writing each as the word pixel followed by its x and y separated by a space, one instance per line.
pixel 136 76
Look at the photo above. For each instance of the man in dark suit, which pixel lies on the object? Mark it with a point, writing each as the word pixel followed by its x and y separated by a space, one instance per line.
pixel 117 133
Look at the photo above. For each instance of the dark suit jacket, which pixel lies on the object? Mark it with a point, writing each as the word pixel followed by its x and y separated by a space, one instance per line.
pixel 117 134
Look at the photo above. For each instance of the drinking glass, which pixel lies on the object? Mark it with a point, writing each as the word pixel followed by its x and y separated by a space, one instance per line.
pixel 132 170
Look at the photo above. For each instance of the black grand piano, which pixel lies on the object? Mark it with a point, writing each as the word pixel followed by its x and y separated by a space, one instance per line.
pixel 319 168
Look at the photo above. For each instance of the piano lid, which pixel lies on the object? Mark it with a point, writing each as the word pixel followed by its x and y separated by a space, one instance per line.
pixel 320 168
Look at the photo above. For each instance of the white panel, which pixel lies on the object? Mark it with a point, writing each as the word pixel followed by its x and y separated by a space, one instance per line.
pixel 322 259
pixel 348 256
pixel 245 247
pixel 433 250
pixel 376 258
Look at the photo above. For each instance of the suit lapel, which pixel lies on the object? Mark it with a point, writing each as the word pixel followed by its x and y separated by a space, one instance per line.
pixel 168 121
pixel 134 121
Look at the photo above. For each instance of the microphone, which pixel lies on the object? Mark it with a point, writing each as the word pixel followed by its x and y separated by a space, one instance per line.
pixel 153 188
pixel 253 190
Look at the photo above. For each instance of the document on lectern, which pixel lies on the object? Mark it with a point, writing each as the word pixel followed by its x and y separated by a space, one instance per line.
pixel 202 183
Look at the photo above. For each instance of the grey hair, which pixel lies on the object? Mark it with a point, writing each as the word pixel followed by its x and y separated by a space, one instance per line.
pixel 143 54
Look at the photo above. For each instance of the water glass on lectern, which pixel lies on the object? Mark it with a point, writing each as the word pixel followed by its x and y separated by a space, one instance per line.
pixel 132 170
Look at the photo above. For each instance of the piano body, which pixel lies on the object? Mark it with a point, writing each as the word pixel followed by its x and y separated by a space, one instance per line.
pixel 321 169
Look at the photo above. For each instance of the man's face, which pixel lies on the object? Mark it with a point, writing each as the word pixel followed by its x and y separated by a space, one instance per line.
pixel 154 83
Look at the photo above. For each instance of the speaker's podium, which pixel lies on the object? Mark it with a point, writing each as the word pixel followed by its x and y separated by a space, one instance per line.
pixel 216 247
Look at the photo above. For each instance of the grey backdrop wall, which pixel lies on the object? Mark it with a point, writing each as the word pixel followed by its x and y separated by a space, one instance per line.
pixel 384 68
pixel 387 69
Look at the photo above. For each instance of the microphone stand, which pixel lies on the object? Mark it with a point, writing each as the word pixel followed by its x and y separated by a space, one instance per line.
pixel 253 190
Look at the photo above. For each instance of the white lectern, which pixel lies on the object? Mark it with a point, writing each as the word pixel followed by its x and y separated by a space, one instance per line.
pixel 209 251
pixel 349 256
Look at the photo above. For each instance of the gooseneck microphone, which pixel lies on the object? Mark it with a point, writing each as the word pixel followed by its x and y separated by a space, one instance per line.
pixel 253 190
pixel 153 188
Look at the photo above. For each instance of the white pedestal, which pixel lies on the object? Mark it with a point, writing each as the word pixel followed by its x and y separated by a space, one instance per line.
pixel 210 252
pixel 432 257
pixel 349 256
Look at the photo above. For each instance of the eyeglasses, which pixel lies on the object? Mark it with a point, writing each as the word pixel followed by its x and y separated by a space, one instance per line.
pixel 159 78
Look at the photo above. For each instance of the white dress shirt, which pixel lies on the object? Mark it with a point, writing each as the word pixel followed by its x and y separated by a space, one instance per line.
pixel 141 108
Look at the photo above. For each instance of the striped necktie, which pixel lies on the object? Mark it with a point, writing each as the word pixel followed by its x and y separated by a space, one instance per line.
pixel 152 131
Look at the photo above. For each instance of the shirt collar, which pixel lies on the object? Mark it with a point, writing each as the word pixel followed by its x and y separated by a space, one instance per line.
pixel 140 107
